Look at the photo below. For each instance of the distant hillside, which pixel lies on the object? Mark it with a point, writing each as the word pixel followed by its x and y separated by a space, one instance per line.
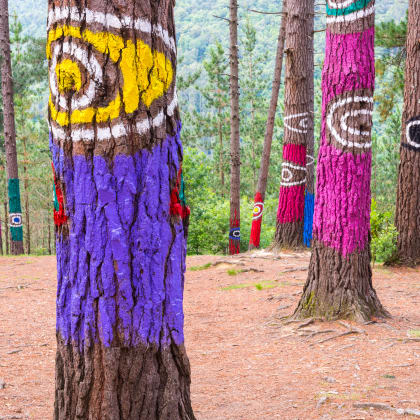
pixel 197 26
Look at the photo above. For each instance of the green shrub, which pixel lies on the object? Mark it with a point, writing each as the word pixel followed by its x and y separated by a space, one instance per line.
pixel 384 235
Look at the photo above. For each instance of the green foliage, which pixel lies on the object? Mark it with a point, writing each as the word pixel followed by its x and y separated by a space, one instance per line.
pixel 385 150
pixel 233 272
pixel 390 36
pixel 384 235
pixel 200 267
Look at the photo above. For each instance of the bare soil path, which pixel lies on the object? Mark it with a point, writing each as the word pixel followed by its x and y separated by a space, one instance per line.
pixel 246 364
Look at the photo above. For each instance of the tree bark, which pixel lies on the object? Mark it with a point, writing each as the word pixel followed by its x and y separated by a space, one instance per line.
pixel 15 209
pixel 235 157
pixel 254 241
pixel 308 217
pixel 6 218
pixel 339 283
pixel 26 198
pixel 121 220
pixel 297 122
pixel 408 194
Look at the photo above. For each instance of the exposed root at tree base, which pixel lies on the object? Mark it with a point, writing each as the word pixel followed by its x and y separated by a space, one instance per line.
pixel 339 287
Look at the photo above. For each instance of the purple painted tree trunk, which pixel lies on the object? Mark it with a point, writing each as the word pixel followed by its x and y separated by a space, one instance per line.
pixel 339 282
pixel 121 236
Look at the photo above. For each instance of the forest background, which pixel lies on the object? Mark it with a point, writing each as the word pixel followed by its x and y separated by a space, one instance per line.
pixel 203 89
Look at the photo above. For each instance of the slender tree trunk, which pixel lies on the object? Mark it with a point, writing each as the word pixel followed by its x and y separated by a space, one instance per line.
pixel 6 218
pixel 49 236
pixel 26 198
pixel 235 157
pixel 254 241
pixel 297 122
pixel 15 215
pixel 339 281
pixel 408 195
pixel 121 222
pixel 221 160
pixel 308 218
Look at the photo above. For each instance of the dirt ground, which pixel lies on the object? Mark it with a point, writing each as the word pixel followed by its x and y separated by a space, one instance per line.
pixel 246 364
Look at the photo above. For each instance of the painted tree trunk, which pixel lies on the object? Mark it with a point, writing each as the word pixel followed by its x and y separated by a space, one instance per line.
pixel 339 282
pixel 13 189
pixel 308 217
pixel 257 216
pixel 235 157
pixel 297 122
pixel 121 222
pixel 408 195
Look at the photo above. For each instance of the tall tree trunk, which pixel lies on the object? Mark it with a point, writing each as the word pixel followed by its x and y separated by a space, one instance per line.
pixel 15 209
pixel 6 218
pixel 297 122
pixel 49 236
pixel 339 283
pixel 254 241
pixel 121 224
pixel 308 217
pixel 408 195
pixel 235 158
pixel 221 160
pixel 26 197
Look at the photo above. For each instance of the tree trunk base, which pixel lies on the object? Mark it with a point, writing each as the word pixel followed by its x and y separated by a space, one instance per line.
pixel 339 287
pixel 16 248
pixel 289 235
pixel 120 383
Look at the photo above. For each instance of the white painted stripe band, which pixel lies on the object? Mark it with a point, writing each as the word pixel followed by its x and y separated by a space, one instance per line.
pixel 109 21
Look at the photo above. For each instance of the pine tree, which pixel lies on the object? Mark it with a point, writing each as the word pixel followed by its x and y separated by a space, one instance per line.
pixel 258 211
pixel 339 283
pixel 235 155
pixel 408 194
pixel 298 122
pixel 13 188
pixel 121 219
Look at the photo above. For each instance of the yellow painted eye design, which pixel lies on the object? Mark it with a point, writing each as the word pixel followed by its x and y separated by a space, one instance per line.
pixel 258 211
pixel 77 74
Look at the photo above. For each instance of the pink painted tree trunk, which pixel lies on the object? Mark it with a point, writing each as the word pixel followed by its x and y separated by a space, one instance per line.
pixel 298 122
pixel 339 282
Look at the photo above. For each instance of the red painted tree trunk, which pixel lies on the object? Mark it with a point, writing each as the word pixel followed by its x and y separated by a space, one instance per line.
pixel 408 195
pixel 257 216
pixel 339 282
pixel 298 123
pixel 121 222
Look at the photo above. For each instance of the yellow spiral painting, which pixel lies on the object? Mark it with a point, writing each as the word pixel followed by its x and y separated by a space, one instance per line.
pixel 76 75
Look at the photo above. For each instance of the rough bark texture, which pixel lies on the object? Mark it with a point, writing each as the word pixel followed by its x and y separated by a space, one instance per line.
pixel 15 211
pixel 339 282
pixel 254 241
pixel 408 195
pixel 308 218
pixel 6 217
pixel 297 122
pixel 120 216
pixel 345 292
pixel 235 156
pixel 26 198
